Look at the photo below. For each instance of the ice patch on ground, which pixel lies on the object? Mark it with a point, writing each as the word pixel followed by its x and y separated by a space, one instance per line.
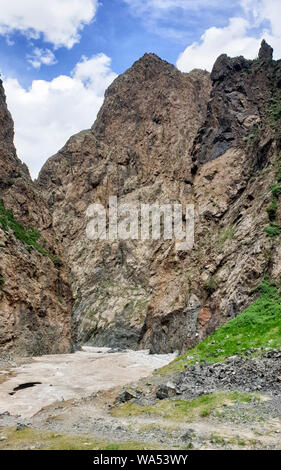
pixel 72 376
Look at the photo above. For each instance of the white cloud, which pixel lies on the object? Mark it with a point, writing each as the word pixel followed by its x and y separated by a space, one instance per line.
pixel 265 10
pixel 231 40
pixel 177 19
pixel 157 7
pixel 58 20
pixel 41 57
pixel 50 112
pixel 237 38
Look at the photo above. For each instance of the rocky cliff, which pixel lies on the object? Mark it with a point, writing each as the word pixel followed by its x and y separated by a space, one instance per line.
pixel 235 188
pixel 168 137
pixel 139 149
pixel 35 297
pixel 164 136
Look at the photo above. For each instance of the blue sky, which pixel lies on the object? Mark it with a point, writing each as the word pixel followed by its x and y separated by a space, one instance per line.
pixel 57 58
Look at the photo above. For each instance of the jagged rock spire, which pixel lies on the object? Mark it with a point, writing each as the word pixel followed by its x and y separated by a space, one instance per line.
pixel 266 51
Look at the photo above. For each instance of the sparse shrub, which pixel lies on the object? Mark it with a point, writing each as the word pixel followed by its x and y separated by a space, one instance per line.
pixel 252 139
pixel 217 439
pixel 272 209
pixel 274 114
pixel 225 235
pixel 275 109
pixel 56 260
pixel 272 230
pixel 211 285
pixel 93 313
pixel 276 190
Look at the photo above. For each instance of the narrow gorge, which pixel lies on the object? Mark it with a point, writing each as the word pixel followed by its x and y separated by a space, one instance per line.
pixel 211 140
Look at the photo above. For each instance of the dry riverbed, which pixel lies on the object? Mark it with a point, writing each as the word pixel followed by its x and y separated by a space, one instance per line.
pixel 47 379
pixel 99 399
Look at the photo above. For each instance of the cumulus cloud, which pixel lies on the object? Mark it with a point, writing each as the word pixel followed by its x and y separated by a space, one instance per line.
pixel 264 10
pixel 48 113
pixel 59 21
pixel 232 40
pixel 238 37
pixel 41 57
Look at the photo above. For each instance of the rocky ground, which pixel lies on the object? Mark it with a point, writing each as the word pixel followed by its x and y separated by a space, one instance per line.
pixel 253 374
pixel 230 405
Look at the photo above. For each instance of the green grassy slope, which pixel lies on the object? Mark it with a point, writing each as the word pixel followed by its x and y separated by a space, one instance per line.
pixel 259 327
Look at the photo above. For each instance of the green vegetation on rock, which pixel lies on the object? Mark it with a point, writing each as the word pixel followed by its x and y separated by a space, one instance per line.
pixel 27 236
pixel 272 209
pixel 253 138
pixel 183 410
pixel 259 327
pixel 211 285
pixel 274 114
pixel 56 260
pixel 224 236
pixel 276 189
pixel 273 230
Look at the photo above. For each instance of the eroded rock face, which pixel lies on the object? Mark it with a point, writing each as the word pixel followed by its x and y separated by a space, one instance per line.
pixel 139 150
pixel 240 95
pixel 167 137
pixel 35 296
pixel 236 157
pixel 164 136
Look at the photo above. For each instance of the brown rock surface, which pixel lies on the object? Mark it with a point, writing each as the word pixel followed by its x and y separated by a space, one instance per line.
pixel 35 297
pixel 204 316
pixel 161 136
pixel 138 150
pixel 164 136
